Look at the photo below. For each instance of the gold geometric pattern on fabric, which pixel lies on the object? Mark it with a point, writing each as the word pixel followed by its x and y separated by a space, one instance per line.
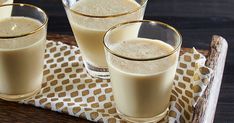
pixel 67 88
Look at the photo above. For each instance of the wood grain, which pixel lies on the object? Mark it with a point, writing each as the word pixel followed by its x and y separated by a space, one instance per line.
pixel 216 61
pixel 206 107
pixel 11 112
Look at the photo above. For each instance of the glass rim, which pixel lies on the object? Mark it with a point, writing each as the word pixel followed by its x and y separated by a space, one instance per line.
pixel 35 30
pixel 143 59
pixel 104 16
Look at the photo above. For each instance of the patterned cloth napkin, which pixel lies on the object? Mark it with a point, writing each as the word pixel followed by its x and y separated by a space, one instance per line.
pixel 67 87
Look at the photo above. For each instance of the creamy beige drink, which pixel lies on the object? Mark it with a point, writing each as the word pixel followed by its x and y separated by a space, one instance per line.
pixel 21 58
pixel 6 11
pixel 142 88
pixel 89 31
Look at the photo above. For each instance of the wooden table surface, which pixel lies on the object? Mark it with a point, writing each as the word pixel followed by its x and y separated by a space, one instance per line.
pixel 196 20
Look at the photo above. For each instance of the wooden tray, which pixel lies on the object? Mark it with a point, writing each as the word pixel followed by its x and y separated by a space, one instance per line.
pixel 204 111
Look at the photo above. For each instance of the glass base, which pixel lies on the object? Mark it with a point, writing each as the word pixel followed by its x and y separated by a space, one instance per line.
pixel 20 96
pixel 102 73
pixel 154 119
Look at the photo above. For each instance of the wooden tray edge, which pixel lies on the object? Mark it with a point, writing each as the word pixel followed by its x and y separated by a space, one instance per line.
pixel 206 107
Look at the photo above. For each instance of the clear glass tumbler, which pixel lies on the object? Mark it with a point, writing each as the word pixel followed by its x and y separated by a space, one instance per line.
pixel 5 12
pixel 142 67
pixel 22 47
pixel 90 19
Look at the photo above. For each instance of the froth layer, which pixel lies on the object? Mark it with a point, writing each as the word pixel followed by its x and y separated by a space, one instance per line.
pixel 105 7
pixel 14 26
pixel 141 48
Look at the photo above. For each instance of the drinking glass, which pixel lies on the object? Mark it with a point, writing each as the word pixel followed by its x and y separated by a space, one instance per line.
pixel 22 51
pixel 6 12
pixel 142 68
pixel 89 30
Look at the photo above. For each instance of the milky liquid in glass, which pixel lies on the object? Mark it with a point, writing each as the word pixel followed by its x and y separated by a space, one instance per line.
pixel 5 11
pixel 21 59
pixel 89 31
pixel 142 88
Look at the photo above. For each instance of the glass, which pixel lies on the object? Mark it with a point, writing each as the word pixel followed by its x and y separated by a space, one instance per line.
pixel 142 64
pixel 89 30
pixel 6 12
pixel 22 47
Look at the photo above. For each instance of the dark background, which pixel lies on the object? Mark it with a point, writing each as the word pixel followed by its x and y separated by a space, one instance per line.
pixel 197 20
